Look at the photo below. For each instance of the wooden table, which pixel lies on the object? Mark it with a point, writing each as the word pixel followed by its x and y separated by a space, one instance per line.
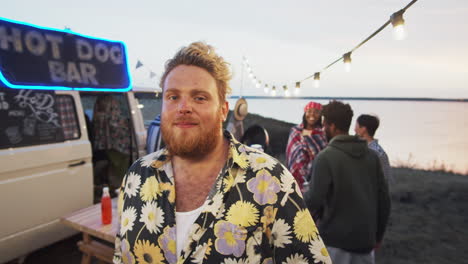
pixel 88 221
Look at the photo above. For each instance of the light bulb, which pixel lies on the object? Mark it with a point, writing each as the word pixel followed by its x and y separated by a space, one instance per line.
pixel 399 32
pixel 317 83
pixel 257 85
pixel 297 91
pixel 347 66
pixel 317 79
pixel 347 61
pixel 398 24
pixel 266 90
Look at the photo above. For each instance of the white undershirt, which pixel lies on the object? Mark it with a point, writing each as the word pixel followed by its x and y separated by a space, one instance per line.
pixel 184 220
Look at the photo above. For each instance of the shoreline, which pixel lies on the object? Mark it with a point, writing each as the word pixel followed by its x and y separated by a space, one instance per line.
pixel 418 99
pixel 278 131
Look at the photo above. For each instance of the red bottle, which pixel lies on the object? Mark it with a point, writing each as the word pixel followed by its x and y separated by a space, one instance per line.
pixel 106 207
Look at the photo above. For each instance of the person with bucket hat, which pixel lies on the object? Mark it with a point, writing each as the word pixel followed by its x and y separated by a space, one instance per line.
pixel 305 141
pixel 236 122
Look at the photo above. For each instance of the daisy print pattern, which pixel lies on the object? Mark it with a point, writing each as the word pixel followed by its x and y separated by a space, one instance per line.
pixel 133 184
pixel 128 218
pixel 254 213
pixel 152 216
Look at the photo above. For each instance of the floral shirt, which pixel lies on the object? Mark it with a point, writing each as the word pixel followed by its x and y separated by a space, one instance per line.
pixel 253 214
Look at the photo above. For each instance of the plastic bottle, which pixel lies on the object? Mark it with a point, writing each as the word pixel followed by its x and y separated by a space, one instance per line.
pixel 106 207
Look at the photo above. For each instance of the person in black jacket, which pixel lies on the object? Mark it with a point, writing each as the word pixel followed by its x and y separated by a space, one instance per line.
pixel 349 189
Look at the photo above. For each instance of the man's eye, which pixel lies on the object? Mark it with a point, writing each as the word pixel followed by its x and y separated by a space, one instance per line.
pixel 172 97
pixel 200 98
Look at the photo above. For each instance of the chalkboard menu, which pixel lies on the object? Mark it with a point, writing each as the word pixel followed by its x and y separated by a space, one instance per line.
pixel 28 117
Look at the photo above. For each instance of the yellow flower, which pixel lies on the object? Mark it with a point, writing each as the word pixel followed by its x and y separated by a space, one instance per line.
pixel 269 214
pixel 243 214
pixel 228 182
pixel 150 189
pixel 240 158
pixel 304 227
pixel 163 186
pixel 148 253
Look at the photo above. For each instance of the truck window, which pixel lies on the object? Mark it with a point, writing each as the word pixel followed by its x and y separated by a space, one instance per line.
pixel 150 105
pixel 35 117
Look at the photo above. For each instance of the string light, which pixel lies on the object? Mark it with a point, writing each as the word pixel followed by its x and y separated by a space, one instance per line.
pixel 297 91
pixel 398 24
pixel 397 21
pixel 286 91
pixel 317 79
pixel 266 89
pixel 258 84
pixel 347 61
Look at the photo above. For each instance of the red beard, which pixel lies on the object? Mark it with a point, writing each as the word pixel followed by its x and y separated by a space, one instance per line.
pixel 193 143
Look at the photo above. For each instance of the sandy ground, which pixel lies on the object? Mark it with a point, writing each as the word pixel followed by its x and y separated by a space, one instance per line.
pixel 429 223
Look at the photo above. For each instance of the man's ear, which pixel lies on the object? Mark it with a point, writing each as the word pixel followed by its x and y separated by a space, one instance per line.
pixel 225 110
pixel 332 128
pixel 364 130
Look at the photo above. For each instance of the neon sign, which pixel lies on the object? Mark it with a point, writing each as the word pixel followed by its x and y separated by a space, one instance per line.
pixel 34 57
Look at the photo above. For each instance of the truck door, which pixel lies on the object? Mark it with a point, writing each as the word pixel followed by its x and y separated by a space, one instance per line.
pixel 45 167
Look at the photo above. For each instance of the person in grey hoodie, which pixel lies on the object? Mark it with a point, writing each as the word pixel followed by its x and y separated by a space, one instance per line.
pixel 349 190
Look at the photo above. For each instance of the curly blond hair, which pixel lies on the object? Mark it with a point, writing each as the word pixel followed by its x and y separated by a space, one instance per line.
pixel 204 56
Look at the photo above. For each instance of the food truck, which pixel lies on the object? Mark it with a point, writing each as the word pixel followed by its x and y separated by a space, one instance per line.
pixel 51 84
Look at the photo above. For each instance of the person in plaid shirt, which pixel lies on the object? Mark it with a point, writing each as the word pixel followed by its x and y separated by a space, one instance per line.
pixel 305 141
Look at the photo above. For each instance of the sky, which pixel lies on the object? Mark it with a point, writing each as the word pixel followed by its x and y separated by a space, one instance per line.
pixel 284 41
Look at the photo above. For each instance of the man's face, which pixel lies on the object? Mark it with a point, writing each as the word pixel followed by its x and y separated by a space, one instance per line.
pixel 192 114
pixel 359 130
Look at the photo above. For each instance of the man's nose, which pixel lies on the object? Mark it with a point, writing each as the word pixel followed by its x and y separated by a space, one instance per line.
pixel 185 106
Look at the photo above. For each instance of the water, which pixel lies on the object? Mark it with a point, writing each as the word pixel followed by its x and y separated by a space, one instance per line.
pixel 428 135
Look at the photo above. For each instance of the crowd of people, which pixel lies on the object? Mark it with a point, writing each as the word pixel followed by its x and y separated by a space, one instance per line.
pixel 208 198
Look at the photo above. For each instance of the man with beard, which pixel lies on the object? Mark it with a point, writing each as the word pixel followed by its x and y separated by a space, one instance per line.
pixel 206 198
pixel 349 188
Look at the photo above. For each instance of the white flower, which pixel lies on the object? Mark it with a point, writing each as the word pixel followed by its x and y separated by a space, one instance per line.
pixel 319 251
pixel 152 216
pixel 167 167
pixel 212 205
pixel 296 259
pixel 133 184
pixel 127 220
pixel 287 181
pixel 254 241
pixel 222 210
pixel 280 233
pixel 200 252
pixel 147 160
pixel 195 233
pixel 234 261
pixel 260 161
